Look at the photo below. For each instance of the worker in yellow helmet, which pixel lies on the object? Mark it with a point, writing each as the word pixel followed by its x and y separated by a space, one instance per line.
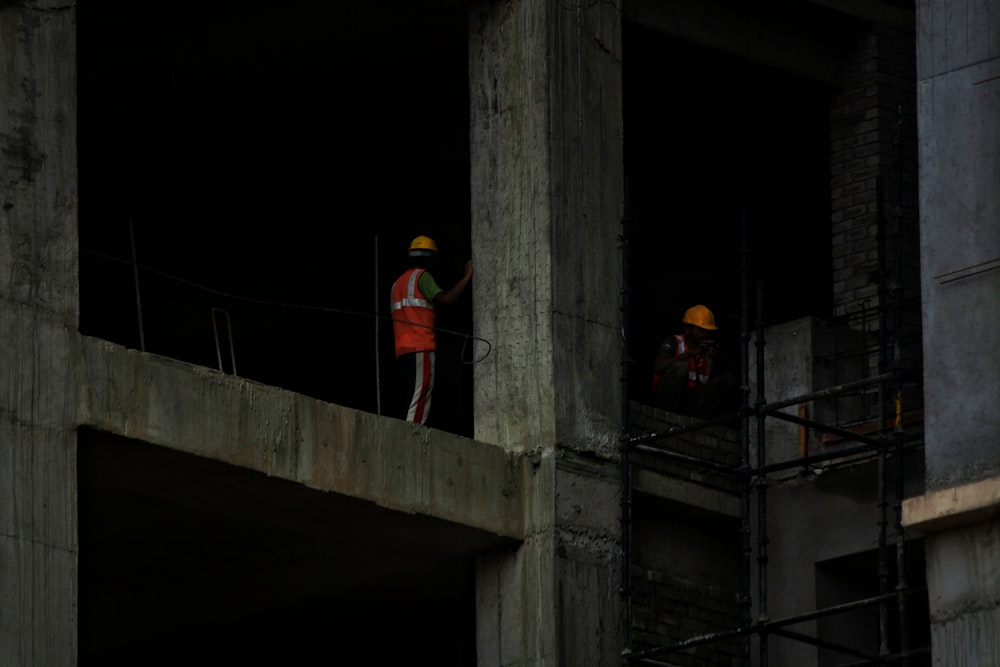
pixel 690 373
pixel 415 297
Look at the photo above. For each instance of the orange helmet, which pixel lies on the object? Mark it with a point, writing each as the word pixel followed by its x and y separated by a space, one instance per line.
pixel 423 246
pixel 700 316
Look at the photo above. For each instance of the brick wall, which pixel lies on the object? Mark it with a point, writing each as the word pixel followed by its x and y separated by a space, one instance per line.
pixel 670 600
pixel 714 444
pixel 873 135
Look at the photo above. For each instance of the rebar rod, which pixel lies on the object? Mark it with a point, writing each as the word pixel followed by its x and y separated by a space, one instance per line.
pixel 135 278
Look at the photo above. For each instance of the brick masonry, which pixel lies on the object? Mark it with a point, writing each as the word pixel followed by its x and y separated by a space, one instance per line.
pixel 669 602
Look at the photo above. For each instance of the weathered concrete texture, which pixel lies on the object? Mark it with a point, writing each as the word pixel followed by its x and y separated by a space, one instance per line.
pixel 547 203
pixel 963 581
pixel 38 545
pixel 515 606
pixel 547 193
pixel 959 102
pixel 390 462
pixel 38 312
pixel 958 79
pixel 511 222
pixel 957 506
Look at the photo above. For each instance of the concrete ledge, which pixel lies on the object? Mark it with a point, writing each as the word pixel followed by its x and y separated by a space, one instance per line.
pixel 395 464
pixel 953 507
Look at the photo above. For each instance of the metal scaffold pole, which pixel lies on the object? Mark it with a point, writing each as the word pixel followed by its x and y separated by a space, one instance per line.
pixel 746 619
pixel 760 482
pixel 626 484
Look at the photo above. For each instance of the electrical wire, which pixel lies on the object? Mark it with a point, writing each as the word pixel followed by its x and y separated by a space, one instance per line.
pixel 297 306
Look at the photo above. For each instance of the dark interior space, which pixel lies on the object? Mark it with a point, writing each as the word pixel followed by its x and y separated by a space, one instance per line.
pixel 188 561
pixel 266 170
pixel 849 579
pixel 717 147
pixel 273 163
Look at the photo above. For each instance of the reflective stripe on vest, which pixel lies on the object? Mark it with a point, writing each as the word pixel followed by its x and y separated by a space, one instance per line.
pixel 699 367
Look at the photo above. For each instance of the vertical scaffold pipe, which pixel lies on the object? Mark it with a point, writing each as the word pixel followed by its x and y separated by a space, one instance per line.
pixel 883 569
pixel 745 532
pixel 897 359
pixel 761 483
pixel 626 484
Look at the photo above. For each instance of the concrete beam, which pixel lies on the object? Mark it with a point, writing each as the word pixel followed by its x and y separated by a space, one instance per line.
pixel 950 508
pixel 387 461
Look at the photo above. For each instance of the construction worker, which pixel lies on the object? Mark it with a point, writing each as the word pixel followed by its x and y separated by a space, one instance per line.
pixel 690 374
pixel 415 296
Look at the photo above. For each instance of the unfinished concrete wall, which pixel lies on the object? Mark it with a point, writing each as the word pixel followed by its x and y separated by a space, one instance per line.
pixel 545 96
pixel 958 79
pixel 38 320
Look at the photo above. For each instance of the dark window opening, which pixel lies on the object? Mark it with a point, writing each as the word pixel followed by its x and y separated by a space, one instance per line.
pixel 711 140
pixel 856 577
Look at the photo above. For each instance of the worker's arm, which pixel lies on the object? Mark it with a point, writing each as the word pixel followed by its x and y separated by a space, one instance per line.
pixel 449 296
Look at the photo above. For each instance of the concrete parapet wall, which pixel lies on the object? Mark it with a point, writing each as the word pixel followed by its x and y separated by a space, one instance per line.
pixel 390 462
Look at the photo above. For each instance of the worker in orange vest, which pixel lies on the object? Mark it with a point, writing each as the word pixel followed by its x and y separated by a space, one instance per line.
pixel 415 297
pixel 690 374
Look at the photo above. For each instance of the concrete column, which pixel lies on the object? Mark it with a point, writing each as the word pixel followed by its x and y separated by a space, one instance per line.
pixel 38 322
pixel 958 88
pixel 547 202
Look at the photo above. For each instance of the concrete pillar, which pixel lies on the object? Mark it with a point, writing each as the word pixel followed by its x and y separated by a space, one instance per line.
pixel 547 202
pixel 958 88
pixel 38 322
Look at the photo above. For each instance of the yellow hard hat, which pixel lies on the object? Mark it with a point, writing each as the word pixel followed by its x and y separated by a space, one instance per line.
pixel 700 316
pixel 423 246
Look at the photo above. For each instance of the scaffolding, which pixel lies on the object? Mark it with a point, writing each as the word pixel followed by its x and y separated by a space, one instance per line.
pixel 887 443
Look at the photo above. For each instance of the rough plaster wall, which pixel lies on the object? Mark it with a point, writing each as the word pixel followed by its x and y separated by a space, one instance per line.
pixel 959 103
pixel 38 317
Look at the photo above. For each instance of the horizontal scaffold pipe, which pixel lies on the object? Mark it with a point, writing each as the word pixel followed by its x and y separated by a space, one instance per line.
pixel 829 391
pixel 827 428
pixel 695 426
pixel 869 658
pixel 829 456
pixel 770 626
pixel 693 460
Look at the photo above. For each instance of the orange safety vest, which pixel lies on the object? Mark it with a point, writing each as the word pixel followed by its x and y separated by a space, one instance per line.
pixel 699 368
pixel 412 315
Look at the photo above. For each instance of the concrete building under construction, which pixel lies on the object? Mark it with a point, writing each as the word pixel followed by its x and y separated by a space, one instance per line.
pixel 204 205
